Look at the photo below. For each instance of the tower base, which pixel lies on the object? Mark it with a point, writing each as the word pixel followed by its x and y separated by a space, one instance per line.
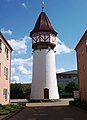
pixel 43 100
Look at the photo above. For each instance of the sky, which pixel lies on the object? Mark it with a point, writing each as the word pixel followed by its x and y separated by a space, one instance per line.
pixel 17 19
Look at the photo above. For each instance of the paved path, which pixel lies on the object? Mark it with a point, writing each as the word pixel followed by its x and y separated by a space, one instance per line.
pixel 51 113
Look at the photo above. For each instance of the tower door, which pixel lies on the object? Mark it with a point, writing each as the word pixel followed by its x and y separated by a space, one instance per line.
pixel 46 93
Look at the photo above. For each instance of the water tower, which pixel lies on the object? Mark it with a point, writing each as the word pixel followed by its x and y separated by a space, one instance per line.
pixel 44 82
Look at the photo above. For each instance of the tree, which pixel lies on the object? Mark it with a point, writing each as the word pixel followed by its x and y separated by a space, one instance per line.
pixel 16 91
pixel 72 86
pixel 19 91
pixel 61 87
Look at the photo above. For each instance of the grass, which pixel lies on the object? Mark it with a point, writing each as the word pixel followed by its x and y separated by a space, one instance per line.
pixel 7 109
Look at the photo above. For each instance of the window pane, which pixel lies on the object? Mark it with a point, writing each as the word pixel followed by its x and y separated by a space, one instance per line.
pixel 0 69
pixel 6 72
pixel 6 51
pixel 0 46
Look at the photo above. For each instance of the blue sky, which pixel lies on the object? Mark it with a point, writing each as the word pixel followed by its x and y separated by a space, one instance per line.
pixel 17 19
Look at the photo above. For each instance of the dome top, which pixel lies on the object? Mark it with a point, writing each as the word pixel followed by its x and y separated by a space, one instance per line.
pixel 43 25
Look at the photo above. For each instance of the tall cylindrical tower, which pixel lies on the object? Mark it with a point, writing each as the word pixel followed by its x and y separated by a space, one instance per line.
pixel 44 82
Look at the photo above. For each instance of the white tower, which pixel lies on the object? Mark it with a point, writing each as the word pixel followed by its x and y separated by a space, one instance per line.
pixel 44 82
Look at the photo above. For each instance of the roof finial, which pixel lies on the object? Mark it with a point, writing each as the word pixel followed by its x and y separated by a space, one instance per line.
pixel 42 5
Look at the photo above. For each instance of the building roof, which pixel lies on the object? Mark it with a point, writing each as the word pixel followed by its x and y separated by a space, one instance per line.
pixel 43 25
pixel 6 41
pixel 81 40
pixel 69 72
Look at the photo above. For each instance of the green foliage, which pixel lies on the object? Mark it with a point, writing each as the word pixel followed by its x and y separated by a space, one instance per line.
pixel 80 104
pixel 6 109
pixel 66 95
pixel 61 87
pixel 66 91
pixel 72 86
pixel 20 91
pixel 4 112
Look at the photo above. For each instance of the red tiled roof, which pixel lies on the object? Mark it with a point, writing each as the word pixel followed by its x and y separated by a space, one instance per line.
pixel 43 25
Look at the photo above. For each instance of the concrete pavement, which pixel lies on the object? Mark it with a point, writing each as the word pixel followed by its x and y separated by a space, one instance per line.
pixel 51 111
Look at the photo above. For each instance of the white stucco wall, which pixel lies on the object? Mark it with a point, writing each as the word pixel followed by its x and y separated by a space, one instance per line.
pixel 44 74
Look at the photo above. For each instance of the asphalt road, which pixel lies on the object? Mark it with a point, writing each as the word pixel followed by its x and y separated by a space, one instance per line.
pixel 51 113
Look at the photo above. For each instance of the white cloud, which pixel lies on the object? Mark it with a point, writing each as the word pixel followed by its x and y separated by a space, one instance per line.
pixel 60 70
pixel 20 61
pixel 24 5
pixel 15 79
pixel 8 31
pixel 19 46
pixel 12 70
pixel 61 47
pixel 21 64
pixel 23 70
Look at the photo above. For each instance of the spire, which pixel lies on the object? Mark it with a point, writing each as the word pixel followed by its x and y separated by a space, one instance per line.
pixel 42 6
pixel 43 25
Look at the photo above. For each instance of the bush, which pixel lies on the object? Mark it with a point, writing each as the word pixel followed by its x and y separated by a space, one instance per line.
pixel 80 104
pixel 20 91
pixel 4 112
pixel 66 95
pixel 6 109
pixel 72 86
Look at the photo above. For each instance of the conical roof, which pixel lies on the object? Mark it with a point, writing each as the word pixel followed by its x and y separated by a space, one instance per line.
pixel 43 25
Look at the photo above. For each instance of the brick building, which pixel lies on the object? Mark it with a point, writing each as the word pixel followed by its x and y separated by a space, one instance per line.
pixel 81 50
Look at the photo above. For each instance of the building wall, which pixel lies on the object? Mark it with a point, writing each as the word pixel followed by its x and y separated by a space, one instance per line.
pixel 82 67
pixel 65 79
pixel 4 81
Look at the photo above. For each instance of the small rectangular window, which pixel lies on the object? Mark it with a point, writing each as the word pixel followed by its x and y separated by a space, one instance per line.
pixel 86 45
pixel 6 72
pixel 84 68
pixel 6 51
pixel 0 46
pixel 0 69
pixel 82 52
pixel 5 93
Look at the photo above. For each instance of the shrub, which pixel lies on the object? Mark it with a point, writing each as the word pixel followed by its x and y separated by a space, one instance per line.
pixel 80 104
pixel 6 109
pixel 4 112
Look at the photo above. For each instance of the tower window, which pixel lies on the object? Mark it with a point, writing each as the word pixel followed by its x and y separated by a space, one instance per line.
pixel 6 51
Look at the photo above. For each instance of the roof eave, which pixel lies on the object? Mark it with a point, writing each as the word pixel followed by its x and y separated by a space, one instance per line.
pixel 53 32
pixel 80 41
pixel 6 42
